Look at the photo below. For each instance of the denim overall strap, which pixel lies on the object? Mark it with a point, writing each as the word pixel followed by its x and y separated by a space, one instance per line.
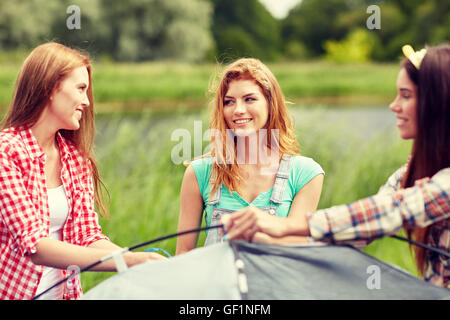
pixel 213 236
pixel 277 194
pixel 217 195
pixel 281 179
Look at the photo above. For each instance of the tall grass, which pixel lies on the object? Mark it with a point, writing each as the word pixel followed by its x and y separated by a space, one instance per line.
pixel 134 155
pixel 150 85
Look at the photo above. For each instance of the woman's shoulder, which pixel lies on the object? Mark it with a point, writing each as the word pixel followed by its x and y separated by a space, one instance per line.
pixel 11 141
pixel 444 172
pixel 394 181
pixel 7 136
pixel 202 162
pixel 202 169
pixel 442 177
pixel 303 170
pixel 305 163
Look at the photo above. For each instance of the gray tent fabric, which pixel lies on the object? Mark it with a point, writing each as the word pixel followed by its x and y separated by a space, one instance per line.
pixel 328 272
pixel 207 273
pixel 307 272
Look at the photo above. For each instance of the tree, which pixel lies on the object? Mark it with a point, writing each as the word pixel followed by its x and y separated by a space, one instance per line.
pixel 93 32
pixel 245 28
pixel 159 29
pixel 312 22
pixel 25 24
pixel 393 34
pixel 431 20
pixel 414 22
pixel 131 30
pixel 356 47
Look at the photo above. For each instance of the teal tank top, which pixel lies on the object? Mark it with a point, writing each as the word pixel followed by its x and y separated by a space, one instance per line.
pixel 301 171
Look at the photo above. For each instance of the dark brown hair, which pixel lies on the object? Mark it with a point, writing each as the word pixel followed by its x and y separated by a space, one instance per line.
pixel 431 148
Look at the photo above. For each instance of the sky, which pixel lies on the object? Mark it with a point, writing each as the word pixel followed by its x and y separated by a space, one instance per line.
pixel 279 8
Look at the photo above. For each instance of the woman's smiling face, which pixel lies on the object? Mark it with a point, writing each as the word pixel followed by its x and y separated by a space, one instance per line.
pixel 245 107
pixel 69 100
pixel 405 106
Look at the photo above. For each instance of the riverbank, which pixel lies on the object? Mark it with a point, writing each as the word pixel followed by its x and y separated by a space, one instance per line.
pixel 138 87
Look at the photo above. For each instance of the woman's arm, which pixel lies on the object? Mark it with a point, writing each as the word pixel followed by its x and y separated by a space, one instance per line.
pixel 305 201
pixel 58 254
pixel 248 222
pixel 427 202
pixel 394 182
pixel 104 244
pixel 191 208
pixel 261 237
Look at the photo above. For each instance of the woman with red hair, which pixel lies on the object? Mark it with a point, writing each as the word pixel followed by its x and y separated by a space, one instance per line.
pixel 254 164
pixel 49 180
pixel 416 197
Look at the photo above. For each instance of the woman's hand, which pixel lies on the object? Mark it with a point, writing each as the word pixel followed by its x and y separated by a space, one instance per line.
pixel 261 237
pixel 254 225
pixel 134 258
pixel 58 254
pixel 243 224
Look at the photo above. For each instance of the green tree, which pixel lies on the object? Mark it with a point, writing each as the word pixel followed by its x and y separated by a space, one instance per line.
pixel 159 29
pixel 417 22
pixel 430 19
pixel 414 22
pixel 245 28
pixel 94 32
pixel 312 22
pixel 393 34
pixel 25 24
pixel 356 47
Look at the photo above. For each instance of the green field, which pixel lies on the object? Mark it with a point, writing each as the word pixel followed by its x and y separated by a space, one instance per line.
pixel 165 86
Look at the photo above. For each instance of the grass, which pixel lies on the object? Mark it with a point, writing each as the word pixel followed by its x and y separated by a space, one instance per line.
pixel 158 85
pixel 134 154
pixel 134 151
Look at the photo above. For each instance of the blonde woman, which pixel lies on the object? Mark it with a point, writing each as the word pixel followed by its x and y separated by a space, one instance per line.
pixel 49 180
pixel 255 165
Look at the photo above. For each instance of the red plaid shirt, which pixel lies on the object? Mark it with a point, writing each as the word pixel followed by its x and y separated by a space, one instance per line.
pixel 24 212
pixel 426 203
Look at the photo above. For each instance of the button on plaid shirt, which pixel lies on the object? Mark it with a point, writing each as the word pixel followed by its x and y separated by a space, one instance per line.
pixel 426 203
pixel 24 213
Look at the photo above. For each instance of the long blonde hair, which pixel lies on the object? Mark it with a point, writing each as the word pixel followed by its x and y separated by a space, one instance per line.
pixel 279 119
pixel 41 73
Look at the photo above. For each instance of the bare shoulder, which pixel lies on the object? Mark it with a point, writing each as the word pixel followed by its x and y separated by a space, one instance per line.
pixel 190 183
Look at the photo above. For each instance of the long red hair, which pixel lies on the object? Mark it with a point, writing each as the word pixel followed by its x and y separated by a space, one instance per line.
pixel 41 73
pixel 279 118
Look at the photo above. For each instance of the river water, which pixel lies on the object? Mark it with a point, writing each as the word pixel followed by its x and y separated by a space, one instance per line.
pixel 344 122
pixel 364 122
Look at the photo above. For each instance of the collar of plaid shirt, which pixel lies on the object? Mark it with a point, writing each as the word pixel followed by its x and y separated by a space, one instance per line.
pixel 35 150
